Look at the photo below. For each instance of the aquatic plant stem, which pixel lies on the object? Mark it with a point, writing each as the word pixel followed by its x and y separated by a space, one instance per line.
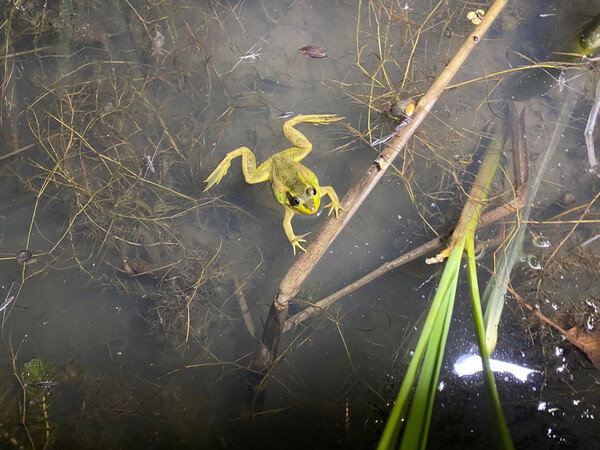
pixel 496 288
pixel 488 375
pixel 425 366
pixel 589 131
pixel 427 363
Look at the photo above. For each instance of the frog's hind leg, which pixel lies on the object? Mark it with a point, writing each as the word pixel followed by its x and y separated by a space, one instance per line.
pixel 302 145
pixel 252 174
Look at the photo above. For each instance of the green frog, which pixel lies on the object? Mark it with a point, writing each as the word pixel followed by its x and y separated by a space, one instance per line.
pixel 294 186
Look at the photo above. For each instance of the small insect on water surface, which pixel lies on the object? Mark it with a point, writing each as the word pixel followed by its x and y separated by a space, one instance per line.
pixel 149 163
pixel 250 55
pixel 149 160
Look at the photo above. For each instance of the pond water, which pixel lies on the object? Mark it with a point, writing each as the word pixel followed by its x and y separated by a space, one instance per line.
pixel 133 300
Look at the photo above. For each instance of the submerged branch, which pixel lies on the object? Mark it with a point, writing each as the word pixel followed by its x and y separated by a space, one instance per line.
pixel 488 218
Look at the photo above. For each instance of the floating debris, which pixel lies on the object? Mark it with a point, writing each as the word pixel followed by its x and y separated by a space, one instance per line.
pixel 8 300
pixel 248 56
pixel 313 51
pixel 251 56
pixel 286 115
pixel 24 256
pixel 541 242
pixel 400 112
pixel 108 107
pixel 476 16
pixel 149 163
pixel 401 109
pixel 47 384
pixel 157 43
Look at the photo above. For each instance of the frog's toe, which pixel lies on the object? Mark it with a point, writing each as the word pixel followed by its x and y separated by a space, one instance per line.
pixel 315 119
pixel 334 208
pixel 326 118
pixel 211 181
pixel 296 242
pixel 299 246
pixel 215 177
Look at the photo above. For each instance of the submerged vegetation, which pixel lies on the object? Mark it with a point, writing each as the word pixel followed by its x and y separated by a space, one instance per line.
pixel 112 115
pixel 112 155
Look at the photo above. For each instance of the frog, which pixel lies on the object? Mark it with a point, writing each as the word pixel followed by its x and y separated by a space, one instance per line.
pixel 294 186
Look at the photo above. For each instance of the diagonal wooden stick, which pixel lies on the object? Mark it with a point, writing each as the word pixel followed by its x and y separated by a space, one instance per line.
pixel 296 275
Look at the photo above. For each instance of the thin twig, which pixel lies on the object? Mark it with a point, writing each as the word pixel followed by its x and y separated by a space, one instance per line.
pixel 244 308
pixel 570 233
pixel 17 151
pixel 488 218
pixel 384 268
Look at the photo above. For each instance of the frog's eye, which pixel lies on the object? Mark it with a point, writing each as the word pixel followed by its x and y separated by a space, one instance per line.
pixel 311 192
pixel 295 201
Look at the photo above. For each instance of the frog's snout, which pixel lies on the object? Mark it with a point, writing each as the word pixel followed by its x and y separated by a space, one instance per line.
pixel 310 206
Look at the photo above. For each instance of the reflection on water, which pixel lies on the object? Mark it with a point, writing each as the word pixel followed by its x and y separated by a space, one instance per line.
pixel 470 364
pixel 130 324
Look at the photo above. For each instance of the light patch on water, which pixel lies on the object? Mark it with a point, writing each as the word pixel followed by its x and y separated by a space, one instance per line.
pixel 470 364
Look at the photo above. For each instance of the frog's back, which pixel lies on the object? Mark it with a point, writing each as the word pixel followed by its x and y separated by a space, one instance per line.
pixel 290 173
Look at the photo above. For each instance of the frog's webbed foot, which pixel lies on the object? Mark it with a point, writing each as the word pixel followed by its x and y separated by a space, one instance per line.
pixel 315 119
pixel 217 174
pixel 335 201
pixel 334 207
pixel 296 242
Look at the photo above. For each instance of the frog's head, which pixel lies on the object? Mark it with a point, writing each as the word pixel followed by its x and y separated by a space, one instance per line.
pixel 306 200
pixel 296 188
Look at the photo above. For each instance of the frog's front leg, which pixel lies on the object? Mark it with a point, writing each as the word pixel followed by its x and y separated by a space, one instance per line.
pixel 302 145
pixel 252 174
pixel 289 232
pixel 335 201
